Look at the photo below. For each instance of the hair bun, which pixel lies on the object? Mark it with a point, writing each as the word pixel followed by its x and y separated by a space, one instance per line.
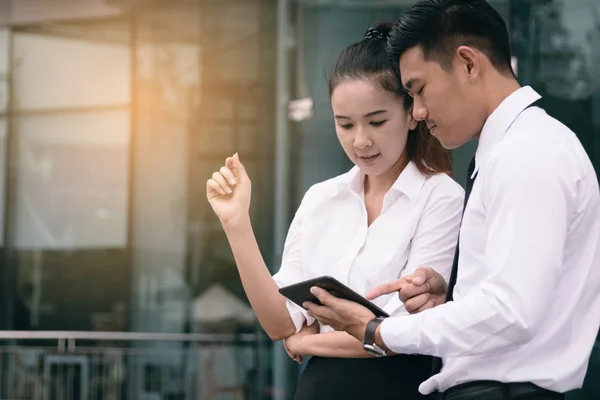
pixel 373 33
pixel 379 31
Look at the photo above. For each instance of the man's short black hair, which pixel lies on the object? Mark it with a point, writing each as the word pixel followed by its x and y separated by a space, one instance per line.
pixel 439 27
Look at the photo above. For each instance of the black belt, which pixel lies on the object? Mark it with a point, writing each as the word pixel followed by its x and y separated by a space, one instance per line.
pixel 492 390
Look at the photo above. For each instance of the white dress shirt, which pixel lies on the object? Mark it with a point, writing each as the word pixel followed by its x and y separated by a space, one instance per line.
pixel 527 301
pixel 418 225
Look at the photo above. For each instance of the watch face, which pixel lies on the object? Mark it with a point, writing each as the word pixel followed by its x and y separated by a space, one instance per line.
pixel 374 349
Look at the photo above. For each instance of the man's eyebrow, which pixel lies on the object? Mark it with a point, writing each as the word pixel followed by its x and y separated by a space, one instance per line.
pixel 410 83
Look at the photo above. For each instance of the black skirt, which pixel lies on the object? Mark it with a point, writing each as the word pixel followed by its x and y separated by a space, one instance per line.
pixel 396 377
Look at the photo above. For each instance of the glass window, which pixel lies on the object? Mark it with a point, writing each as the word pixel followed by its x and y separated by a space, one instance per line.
pixel 68 194
pixel 204 90
pixel 557 47
pixel 4 64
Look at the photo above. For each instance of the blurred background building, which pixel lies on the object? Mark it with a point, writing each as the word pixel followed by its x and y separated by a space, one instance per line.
pixel 114 113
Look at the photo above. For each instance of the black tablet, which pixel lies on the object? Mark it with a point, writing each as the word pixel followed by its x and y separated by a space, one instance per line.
pixel 300 292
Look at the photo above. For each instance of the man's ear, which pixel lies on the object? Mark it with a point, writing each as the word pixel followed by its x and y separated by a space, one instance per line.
pixel 469 61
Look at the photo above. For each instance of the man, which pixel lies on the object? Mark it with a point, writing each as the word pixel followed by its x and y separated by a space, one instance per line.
pixel 522 309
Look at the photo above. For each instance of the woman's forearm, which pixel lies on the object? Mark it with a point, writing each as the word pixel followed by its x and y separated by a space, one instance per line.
pixel 330 344
pixel 262 291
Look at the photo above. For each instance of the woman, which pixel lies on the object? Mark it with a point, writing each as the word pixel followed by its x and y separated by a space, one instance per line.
pixel 396 210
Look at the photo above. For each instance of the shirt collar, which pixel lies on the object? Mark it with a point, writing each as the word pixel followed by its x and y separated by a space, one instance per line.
pixel 500 120
pixel 409 182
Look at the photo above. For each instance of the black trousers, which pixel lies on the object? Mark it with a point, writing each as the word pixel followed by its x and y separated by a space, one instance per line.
pixel 386 378
pixel 489 390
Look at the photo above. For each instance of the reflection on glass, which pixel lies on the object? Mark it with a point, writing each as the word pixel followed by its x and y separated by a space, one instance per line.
pixel 4 64
pixel 72 181
pixel 67 223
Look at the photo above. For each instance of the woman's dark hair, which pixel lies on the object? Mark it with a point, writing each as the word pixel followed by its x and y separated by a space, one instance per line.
pixel 368 60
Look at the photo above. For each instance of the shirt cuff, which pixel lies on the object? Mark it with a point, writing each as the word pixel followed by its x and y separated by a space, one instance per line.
pixel 298 315
pixel 401 334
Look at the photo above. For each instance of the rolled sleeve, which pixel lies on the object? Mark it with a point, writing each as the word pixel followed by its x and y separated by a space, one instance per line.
pixel 291 270
pixel 394 307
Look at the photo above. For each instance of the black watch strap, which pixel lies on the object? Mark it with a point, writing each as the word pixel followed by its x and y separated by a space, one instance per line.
pixel 371 329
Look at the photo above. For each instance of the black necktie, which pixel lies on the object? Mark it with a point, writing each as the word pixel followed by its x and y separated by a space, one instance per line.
pixel 437 361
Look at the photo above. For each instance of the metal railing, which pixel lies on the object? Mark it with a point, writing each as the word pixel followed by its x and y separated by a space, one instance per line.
pixel 119 365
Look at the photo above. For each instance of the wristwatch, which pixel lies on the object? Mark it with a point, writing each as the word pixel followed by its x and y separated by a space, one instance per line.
pixel 369 340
